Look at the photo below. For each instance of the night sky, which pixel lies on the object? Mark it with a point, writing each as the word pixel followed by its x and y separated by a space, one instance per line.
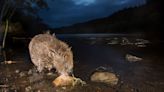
pixel 68 12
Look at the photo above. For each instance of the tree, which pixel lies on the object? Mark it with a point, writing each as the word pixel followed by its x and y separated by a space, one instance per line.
pixel 9 7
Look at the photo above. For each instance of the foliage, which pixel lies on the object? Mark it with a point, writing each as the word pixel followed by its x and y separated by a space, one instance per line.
pixel 9 7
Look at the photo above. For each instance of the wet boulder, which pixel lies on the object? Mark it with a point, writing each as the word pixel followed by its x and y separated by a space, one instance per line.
pixel 104 77
pixel 141 42
pixel 132 58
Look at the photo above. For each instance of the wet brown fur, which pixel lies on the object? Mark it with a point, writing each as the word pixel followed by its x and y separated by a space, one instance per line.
pixel 48 52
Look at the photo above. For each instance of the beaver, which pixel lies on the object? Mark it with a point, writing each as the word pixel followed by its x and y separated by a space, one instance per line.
pixel 47 52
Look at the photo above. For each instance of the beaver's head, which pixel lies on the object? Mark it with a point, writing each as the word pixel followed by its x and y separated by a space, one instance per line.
pixel 68 57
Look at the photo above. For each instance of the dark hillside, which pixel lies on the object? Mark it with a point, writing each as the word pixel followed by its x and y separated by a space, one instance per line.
pixel 145 18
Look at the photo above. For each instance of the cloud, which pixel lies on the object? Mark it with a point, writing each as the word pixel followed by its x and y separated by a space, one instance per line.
pixel 122 2
pixel 83 2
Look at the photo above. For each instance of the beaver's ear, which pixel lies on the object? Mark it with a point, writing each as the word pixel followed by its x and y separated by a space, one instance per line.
pixel 47 32
pixel 53 35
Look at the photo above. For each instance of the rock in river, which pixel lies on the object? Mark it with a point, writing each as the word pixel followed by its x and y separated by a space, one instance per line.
pixel 132 58
pixel 105 77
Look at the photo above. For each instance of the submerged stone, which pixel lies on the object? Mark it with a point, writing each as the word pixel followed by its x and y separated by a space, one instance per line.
pixel 66 80
pixel 132 58
pixel 105 77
